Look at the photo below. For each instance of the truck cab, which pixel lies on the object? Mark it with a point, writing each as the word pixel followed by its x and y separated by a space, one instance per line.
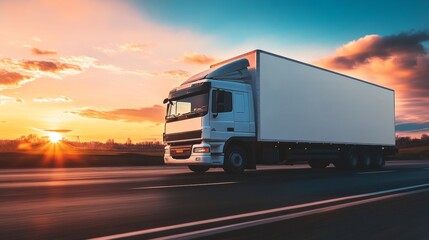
pixel 206 112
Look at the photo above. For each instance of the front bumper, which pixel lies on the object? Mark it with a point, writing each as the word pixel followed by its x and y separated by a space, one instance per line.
pixel 208 159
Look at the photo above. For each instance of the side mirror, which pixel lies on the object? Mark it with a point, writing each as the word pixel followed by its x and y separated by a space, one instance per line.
pixel 218 102
pixel 214 103
pixel 165 101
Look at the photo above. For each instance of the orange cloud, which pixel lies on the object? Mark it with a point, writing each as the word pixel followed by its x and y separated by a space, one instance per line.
pixel 14 73
pixel 12 79
pixel 58 99
pixel 37 51
pixel 48 66
pixel 400 62
pixel 197 58
pixel 34 66
pixel 58 130
pixel 152 114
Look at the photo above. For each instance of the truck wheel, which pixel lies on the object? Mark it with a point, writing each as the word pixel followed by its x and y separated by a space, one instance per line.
pixel 235 160
pixel 350 159
pixel 318 164
pixel 365 160
pixel 378 161
pixel 198 168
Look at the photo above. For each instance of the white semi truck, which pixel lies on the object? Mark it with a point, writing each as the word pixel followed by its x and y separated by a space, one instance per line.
pixel 262 108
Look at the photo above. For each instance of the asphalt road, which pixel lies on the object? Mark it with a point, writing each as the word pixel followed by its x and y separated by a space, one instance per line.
pixel 275 202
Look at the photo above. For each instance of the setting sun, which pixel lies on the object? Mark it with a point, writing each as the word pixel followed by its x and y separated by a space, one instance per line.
pixel 55 137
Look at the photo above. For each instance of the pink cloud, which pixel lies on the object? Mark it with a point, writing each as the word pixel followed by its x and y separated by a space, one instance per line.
pixel 405 49
pixel 37 51
pixel 197 58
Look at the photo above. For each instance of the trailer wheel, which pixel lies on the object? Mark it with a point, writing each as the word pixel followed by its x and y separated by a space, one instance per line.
pixel 318 164
pixel 378 160
pixel 198 168
pixel 349 160
pixel 235 159
pixel 365 159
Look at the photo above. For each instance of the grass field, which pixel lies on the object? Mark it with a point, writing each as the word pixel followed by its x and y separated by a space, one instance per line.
pixel 85 159
pixel 415 152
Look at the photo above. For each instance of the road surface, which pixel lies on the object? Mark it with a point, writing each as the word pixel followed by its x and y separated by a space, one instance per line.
pixel 274 202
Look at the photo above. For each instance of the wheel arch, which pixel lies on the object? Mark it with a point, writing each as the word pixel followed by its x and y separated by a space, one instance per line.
pixel 246 143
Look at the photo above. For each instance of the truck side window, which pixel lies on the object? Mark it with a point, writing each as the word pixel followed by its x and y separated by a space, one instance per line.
pixel 223 101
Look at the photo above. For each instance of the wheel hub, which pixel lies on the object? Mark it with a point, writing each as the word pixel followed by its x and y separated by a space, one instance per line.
pixel 237 160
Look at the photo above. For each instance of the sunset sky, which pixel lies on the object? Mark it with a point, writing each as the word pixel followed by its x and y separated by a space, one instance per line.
pixel 100 69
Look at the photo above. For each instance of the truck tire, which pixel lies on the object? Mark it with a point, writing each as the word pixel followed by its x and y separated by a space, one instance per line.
pixel 365 159
pixel 378 160
pixel 348 160
pixel 352 160
pixel 198 168
pixel 235 159
pixel 318 164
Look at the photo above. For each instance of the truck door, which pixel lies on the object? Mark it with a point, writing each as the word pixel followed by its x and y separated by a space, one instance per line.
pixel 241 112
pixel 222 123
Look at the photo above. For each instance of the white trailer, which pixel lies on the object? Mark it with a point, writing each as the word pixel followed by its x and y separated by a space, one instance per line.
pixel 264 108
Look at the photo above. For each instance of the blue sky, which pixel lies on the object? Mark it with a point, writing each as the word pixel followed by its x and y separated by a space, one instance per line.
pixel 329 23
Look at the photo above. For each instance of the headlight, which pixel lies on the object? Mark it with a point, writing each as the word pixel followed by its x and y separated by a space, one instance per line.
pixel 202 150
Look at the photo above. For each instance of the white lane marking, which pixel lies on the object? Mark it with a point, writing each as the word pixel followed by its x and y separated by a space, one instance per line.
pixel 237 226
pixel 256 213
pixel 375 172
pixel 406 162
pixel 185 185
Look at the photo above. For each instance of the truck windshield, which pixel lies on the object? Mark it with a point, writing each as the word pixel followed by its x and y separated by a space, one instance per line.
pixel 188 107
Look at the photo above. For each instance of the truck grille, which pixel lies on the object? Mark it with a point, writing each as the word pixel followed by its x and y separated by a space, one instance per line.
pixel 181 152
pixel 183 136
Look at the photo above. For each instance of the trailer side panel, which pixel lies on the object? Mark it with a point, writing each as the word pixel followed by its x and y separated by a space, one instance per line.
pixel 302 103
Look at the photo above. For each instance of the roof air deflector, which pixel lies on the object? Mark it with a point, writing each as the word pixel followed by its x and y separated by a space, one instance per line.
pixel 236 70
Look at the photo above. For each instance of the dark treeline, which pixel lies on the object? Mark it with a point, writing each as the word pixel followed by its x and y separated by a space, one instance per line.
pixel 412 142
